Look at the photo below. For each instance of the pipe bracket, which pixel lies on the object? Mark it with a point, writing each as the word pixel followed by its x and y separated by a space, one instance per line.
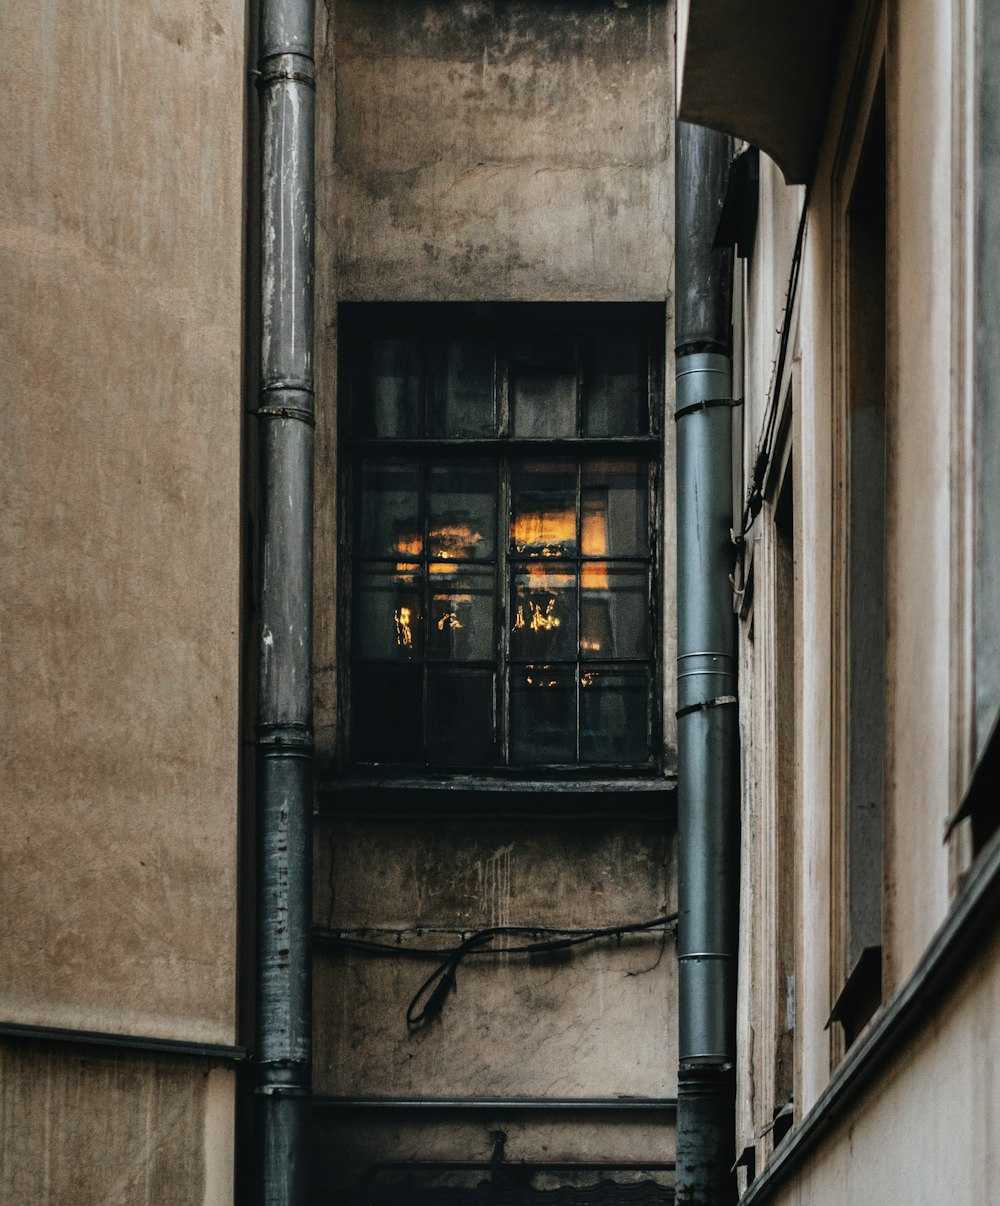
pixel 288 68
pixel 276 740
pixel 286 412
pixel 718 702
pixel 705 405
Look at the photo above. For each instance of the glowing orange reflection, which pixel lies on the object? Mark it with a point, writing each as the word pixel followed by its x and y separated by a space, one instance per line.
pixel 453 540
pixel 539 621
pixel 594 536
pixel 534 681
pixel 594 576
pixel 544 533
pixel 410 546
pixel 404 632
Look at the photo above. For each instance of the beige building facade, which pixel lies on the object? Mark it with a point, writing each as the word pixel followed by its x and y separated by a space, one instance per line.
pixel 494 193
pixel 483 157
pixel 864 594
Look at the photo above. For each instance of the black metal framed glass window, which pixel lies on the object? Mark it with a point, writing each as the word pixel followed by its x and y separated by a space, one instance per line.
pixel 502 506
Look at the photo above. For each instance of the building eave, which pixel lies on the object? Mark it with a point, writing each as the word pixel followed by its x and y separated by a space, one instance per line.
pixel 760 72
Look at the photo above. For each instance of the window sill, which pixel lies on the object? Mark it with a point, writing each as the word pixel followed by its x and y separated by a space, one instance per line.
pixel 968 930
pixel 374 796
pixel 861 995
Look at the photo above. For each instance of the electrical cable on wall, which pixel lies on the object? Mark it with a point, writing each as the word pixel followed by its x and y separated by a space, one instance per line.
pixel 429 999
pixel 765 450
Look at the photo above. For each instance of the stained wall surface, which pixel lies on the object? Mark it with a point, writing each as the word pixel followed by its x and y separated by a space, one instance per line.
pixel 595 1020
pixel 901 1143
pixel 92 1127
pixel 121 286
pixel 922 57
pixel 500 150
pixel 496 150
pixel 121 283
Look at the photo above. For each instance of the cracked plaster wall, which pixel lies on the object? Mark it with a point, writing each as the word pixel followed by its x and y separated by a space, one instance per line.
pixel 121 287
pixel 495 151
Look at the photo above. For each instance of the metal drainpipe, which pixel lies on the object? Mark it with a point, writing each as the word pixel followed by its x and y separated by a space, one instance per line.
pixel 284 713
pixel 708 820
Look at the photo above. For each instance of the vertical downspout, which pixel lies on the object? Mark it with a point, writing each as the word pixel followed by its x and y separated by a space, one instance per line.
pixel 284 715
pixel 706 677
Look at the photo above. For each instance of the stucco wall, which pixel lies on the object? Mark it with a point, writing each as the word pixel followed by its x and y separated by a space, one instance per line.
pixel 121 286
pixel 929 621
pixel 594 1019
pixel 500 149
pixel 87 1128
pixel 927 1133
pixel 497 151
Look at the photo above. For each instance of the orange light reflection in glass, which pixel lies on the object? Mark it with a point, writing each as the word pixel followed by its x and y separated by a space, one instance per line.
pixel 410 546
pixel 544 533
pixel 454 540
pixel 404 633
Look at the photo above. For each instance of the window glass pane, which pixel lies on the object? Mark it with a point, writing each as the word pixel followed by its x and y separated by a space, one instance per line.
pixel 463 397
pixel 543 611
pixel 542 715
pixel 543 508
pixel 461 726
pixel 390 513
pixel 388 612
pixel 543 386
pixel 462 507
pixel 395 387
pixel 614 511
pixel 543 401
pixel 614 611
pixel 461 612
pixel 614 710
pixel 615 398
pixel 386 719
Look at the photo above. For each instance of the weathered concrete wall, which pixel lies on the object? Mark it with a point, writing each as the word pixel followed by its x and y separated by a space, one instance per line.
pixel 352 1142
pixel 86 1128
pixel 500 149
pixel 595 1019
pixel 497 150
pixel 121 286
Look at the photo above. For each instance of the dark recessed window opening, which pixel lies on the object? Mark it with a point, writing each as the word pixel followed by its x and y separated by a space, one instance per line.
pixel 503 471
pixel 866 433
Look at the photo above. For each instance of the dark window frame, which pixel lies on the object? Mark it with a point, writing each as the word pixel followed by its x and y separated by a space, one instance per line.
pixel 358 323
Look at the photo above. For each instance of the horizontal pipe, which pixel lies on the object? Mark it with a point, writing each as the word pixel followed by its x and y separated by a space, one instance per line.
pixel 124 1042
pixel 503 1166
pixel 631 1105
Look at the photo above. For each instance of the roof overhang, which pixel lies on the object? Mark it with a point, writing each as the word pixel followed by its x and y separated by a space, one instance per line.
pixel 760 70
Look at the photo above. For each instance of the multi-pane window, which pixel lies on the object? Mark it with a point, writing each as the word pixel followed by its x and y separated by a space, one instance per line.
pixel 503 554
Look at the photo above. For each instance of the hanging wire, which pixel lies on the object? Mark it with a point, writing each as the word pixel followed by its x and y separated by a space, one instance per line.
pixel 765 445
pixel 429 999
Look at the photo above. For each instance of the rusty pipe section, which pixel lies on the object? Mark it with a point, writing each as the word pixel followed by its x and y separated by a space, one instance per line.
pixel 284 731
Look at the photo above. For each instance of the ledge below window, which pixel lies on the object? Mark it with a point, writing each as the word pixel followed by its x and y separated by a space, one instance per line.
pixel 383 797
pixel 861 994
